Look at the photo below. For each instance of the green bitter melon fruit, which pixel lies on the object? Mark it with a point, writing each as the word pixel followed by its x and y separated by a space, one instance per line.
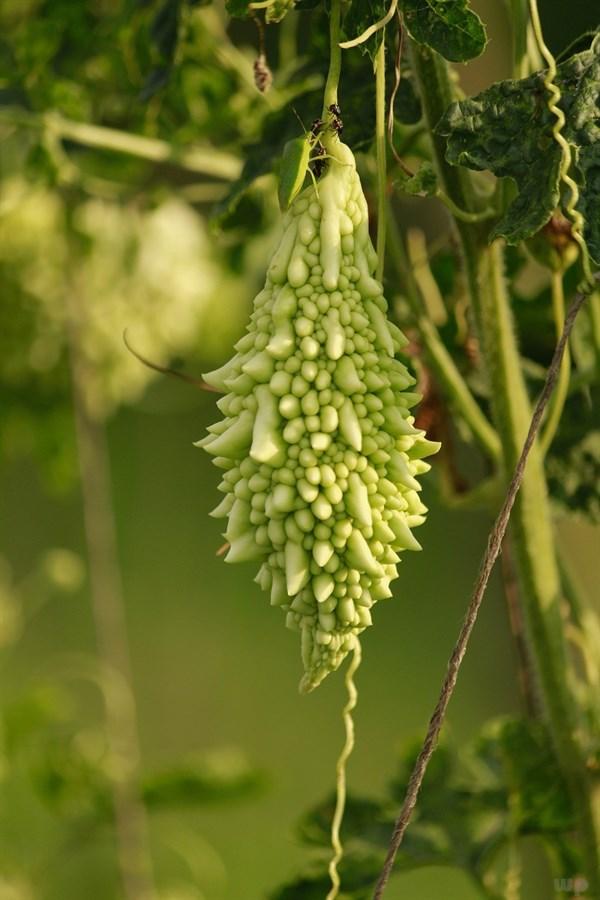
pixel 318 446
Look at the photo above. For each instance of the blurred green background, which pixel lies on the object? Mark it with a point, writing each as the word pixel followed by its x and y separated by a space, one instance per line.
pixel 214 670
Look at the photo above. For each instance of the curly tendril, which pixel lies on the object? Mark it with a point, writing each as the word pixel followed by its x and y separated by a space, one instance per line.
pixel 565 147
pixel 347 749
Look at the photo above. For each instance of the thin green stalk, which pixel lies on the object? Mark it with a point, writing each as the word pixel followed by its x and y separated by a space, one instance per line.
pixel 200 160
pixel 380 144
pixel 131 827
pixel 440 360
pixel 531 530
pixel 562 388
pixel 594 314
pixel 330 94
pixel 462 214
pixel 519 20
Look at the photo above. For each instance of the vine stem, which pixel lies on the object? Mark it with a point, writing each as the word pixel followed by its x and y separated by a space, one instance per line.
pixel 444 367
pixel 330 94
pixel 531 523
pixel 346 751
pixel 525 670
pixel 111 633
pixel 199 160
pixel 562 388
pixel 380 143
pixel 487 564
pixel 594 311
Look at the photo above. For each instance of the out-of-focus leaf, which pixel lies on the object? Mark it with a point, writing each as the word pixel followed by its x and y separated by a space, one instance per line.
pixel 156 80
pixel 237 8
pixel 508 130
pixel 24 720
pixel 263 156
pixel 218 777
pixel 506 782
pixel 363 818
pixel 573 463
pixel 278 10
pixel 424 181
pixel 71 776
pixel 448 26
pixel 521 755
pixel 358 871
pixel 164 27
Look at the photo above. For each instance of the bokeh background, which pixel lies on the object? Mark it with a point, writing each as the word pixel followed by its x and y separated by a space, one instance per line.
pixel 215 673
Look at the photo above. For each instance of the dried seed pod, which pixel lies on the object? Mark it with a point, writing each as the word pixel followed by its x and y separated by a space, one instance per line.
pixel 263 77
pixel 320 448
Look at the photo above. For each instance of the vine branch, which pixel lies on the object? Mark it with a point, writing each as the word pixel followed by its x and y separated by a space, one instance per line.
pixel 490 556
pixel 330 95
pixel 111 632
pixel 199 160
pixel 562 389
pixel 381 154
pixel 441 361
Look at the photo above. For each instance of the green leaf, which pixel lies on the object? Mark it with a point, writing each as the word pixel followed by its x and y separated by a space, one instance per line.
pixel 407 105
pixel 279 126
pixel 279 9
pixel 364 818
pixel 360 16
pixel 219 777
pixel 473 801
pixel 25 720
pixel 358 870
pixel 237 8
pixel 448 26
pixel 520 754
pixel 508 130
pixel 423 182
pixel 573 463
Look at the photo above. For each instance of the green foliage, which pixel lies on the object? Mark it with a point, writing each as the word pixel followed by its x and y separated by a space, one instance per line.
pixel 423 182
pixel 361 15
pixel 104 227
pixel 219 777
pixel 275 11
pixel 69 766
pixel 504 784
pixel 508 130
pixel 448 26
pixel 573 465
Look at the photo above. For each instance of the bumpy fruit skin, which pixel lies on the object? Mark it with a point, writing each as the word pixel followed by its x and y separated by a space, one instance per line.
pixel 318 446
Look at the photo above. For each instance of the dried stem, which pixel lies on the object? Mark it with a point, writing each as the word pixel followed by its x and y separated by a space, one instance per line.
pixel 525 668
pixel 491 554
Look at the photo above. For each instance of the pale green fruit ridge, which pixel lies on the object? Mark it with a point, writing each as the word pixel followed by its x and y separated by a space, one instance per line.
pixel 318 445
